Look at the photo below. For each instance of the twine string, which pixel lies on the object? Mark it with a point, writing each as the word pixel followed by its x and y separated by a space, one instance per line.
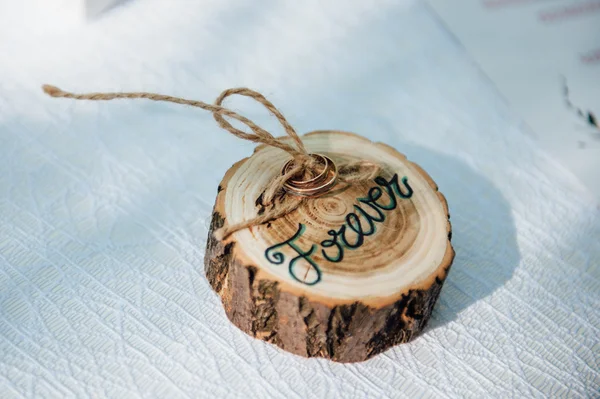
pixel 274 197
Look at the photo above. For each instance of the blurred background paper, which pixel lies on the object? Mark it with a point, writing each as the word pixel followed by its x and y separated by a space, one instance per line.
pixel 93 8
pixel 529 48
pixel 63 14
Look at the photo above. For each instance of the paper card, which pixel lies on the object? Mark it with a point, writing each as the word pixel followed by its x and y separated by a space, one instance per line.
pixel 530 49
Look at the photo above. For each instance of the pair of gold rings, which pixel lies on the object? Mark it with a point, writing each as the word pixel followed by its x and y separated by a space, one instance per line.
pixel 314 186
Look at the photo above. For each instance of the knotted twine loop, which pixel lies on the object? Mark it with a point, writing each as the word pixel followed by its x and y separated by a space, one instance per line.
pixel 279 202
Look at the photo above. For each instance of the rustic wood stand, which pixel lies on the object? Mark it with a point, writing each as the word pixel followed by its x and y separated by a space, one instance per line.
pixel 347 275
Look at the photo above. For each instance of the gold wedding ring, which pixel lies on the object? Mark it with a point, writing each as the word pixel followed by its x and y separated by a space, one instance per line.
pixel 324 180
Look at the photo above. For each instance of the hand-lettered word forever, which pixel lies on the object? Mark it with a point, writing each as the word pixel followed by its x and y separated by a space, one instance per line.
pixel 351 235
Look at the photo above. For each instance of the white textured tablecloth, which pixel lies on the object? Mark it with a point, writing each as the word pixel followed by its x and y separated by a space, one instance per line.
pixel 104 207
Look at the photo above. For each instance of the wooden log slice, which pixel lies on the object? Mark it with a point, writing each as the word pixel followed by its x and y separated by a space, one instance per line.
pixel 345 276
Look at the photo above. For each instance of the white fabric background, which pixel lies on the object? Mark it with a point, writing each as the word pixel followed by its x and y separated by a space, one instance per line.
pixel 104 206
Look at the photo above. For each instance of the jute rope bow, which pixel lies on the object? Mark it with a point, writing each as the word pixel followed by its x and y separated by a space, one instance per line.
pixel 279 202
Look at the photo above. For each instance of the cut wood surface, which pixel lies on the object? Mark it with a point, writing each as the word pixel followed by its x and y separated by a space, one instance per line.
pixel 345 276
